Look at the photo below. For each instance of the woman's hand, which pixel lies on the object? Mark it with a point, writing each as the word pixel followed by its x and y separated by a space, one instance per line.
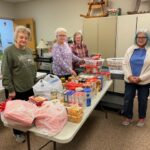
pixel 137 80
pixel 12 95
pixel 82 61
pixel 134 79
pixel 73 73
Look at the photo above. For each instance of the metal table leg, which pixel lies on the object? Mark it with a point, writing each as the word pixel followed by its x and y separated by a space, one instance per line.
pixel 28 140
pixel 54 144
pixel 105 111
pixel 44 145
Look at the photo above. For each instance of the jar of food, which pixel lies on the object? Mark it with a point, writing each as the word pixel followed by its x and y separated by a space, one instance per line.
pixel 60 96
pixel 53 94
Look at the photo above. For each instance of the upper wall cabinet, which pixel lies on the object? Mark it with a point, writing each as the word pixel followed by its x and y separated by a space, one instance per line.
pixel 100 35
pixel 143 21
pixel 107 36
pixel 126 28
pixel 29 23
pixel 90 34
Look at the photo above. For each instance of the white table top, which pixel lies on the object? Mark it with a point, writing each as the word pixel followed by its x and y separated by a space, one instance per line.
pixel 71 129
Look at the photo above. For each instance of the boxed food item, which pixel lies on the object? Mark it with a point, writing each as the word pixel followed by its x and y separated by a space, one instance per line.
pixel 38 100
pixel 74 110
pixel 93 65
pixel 75 119
pixel 75 114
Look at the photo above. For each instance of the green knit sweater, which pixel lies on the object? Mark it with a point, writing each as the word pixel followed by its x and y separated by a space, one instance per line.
pixel 18 69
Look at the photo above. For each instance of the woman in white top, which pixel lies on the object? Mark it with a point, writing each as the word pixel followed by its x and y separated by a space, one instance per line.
pixel 136 68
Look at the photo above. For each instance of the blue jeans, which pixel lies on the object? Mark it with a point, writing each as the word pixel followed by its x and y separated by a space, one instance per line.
pixel 130 92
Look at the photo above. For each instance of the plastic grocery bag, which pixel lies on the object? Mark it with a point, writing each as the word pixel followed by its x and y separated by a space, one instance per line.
pixel 42 88
pixel 19 113
pixel 54 81
pixel 51 117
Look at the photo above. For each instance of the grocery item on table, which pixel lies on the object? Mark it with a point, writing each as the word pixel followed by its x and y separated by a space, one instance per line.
pixel 88 96
pixel 75 113
pixel 38 100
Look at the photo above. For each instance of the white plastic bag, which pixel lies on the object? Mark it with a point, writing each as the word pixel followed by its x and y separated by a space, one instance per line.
pixel 42 88
pixel 54 82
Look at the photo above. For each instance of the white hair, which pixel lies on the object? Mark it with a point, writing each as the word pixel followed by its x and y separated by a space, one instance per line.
pixel 22 29
pixel 147 34
pixel 58 30
pixel 145 31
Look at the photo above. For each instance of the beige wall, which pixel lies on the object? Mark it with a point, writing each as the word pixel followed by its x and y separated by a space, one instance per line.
pixel 50 14
pixel 7 10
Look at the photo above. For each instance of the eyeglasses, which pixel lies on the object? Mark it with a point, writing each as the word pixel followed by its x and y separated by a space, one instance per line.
pixel 141 37
pixel 62 35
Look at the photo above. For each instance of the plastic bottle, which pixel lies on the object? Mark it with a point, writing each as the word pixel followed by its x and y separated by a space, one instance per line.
pixel 88 96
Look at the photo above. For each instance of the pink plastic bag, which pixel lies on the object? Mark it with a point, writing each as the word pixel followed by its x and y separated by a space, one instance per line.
pixel 51 117
pixel 19 112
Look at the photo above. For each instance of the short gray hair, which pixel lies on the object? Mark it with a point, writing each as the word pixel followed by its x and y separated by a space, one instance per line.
pixel 58 30
pixel 147 34
pixel 22 29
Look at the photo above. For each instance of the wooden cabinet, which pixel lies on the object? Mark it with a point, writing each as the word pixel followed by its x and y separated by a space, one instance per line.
pixel 126 29
pixel 107 36
pixel 143 21
pixel 29 23
pixel 100 35
pixel 90 34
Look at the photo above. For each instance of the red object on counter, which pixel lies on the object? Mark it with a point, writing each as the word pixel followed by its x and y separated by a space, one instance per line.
pixel 38 100
pixel 73 85
pixel 3 104
pixel 96 57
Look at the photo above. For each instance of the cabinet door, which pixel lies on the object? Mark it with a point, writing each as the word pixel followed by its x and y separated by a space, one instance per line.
pixel 29 23
pixel 143 21
pixel 107 36
pixel 90 34
pixel 126 28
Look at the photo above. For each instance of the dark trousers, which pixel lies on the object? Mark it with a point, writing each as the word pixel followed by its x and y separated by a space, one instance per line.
pixel 142 93
pixel 22 96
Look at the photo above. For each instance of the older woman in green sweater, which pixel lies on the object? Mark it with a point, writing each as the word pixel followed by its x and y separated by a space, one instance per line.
pixel 19 70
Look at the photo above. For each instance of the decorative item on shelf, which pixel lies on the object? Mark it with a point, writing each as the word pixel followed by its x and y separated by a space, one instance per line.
pixel 41 48
pixel 137 6
pixel 96 5
pixel 114 12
